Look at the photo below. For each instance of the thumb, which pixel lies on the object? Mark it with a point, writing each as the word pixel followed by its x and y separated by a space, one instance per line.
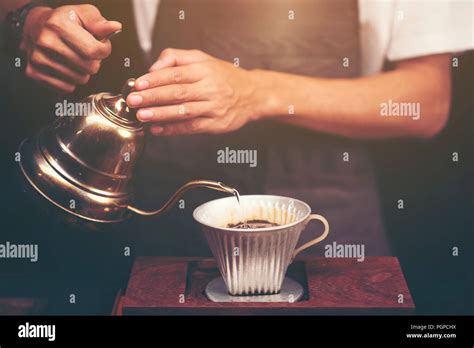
pixel 95 23
pixel 102 30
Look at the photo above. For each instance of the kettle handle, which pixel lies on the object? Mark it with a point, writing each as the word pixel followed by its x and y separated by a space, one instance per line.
pixel 214 185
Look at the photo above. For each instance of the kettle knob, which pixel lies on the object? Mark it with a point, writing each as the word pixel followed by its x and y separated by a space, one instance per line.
pixel 128 88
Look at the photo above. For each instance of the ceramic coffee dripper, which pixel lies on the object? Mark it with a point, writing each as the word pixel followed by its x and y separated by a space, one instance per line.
pixel 255 261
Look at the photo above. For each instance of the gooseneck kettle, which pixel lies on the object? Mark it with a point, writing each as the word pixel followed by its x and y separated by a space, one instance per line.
pixel 84 163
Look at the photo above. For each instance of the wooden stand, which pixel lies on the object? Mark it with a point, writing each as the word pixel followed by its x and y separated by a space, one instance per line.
pixel 175 286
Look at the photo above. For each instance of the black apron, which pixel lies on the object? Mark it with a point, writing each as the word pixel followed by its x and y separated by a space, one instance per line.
pixel 292 161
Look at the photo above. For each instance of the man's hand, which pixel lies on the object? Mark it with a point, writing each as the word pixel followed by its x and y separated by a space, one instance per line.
pixel 63 45
pixel 190 92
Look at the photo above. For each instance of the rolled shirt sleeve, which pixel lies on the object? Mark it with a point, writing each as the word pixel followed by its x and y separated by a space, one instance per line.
pixel 426 27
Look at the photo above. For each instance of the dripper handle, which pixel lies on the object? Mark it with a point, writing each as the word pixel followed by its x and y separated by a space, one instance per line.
pixel 214 185
pixel 305 246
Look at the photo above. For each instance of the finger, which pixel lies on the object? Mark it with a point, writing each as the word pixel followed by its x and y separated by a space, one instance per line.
pixel 85 44
pixel 50 81
pixel 172 94
pixel 173 57
pixel 43 62
pixel 169 76
pixel 194 126
pixel 93 21
pixel 58 50
pixel 173 112
pixel 69 28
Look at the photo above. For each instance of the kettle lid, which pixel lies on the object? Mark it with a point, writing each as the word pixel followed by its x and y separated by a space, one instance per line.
pixel 115 106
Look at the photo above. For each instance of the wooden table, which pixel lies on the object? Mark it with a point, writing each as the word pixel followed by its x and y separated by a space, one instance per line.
pixel 175 286
pixel 22 306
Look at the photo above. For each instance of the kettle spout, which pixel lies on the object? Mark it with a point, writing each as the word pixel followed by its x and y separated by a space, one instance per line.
pixel 214 185
pixel 224 188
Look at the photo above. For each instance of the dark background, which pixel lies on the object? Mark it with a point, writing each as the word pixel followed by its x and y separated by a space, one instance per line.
pixel 439 204
pixel 437 193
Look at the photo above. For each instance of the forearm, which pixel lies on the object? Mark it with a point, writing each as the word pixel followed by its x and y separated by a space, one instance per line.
pixel 353 107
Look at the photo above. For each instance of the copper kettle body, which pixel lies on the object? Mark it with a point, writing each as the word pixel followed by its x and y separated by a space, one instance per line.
pixel 83 163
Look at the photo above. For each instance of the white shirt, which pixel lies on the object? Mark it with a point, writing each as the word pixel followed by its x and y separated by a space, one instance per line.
pixel 389 29
pixel 145 15
pixel 401 29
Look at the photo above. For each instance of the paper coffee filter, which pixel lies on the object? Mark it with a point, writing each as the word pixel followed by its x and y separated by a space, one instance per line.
pixel 279 210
